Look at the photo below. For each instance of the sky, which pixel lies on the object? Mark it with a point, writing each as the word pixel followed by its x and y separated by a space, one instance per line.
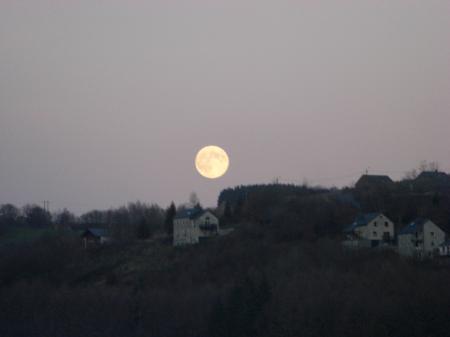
pixel 106 102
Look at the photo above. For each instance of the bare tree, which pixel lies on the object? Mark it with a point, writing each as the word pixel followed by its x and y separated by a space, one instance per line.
pixel 433 166
pixel 194 200
pixel 410 175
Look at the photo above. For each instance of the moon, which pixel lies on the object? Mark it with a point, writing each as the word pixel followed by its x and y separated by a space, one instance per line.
pixel 212 162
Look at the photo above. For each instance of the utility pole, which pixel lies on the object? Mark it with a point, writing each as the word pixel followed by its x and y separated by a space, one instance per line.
pixel 46 205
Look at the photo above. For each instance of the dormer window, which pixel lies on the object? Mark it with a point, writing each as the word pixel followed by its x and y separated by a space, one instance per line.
pixel 375 224
pixel 386 224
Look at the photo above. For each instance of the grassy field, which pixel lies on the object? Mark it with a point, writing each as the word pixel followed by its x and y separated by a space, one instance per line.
pixel 23 234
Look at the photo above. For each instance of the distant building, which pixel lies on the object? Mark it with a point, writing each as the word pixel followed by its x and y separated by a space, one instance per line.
pixel 95 236
pixel 370 230
pixel 421 238
pixel 428 181
pixel 369 181
pixel 433 176
pixel 192 225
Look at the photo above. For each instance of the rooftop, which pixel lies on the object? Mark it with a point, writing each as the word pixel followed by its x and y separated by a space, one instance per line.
pixel 191 213
pixel 372 178
pixel 362 220
pixel 98 232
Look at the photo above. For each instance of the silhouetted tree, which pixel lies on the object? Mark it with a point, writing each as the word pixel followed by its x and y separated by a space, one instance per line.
pixel 65 218
pixel 169 216
pixel 194 201
pixel 143 229
pixel 9 214
pixel 36 216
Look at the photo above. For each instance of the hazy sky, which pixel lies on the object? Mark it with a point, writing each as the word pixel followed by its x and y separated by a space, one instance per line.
pixel 104 102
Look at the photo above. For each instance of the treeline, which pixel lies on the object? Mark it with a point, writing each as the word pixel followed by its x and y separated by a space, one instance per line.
pixel 316 212
pixel 136 220
pixel 29 215
pixel 281 273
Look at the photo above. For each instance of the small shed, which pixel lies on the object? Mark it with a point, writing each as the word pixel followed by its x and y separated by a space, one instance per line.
pixel 95 236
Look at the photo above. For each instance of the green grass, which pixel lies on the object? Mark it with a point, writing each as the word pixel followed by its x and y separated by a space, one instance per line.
pixel 23 235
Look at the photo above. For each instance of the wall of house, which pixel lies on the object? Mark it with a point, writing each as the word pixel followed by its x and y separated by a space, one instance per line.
pixel 187 231
pixel 209 218
pixel 184 232
pixel 433 236
pixel 105 239
pixel 375 229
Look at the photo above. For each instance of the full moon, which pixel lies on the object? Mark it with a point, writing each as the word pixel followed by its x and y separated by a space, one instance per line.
pixel 212 162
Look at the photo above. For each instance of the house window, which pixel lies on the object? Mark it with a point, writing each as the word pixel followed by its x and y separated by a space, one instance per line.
pixel 432 243
pixel 432 233
pixel 386 224
pixel 207 220
pixel 375 224
pixel 374 233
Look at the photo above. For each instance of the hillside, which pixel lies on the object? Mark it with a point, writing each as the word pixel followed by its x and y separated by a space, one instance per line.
pixel 246 284
pixel 282 272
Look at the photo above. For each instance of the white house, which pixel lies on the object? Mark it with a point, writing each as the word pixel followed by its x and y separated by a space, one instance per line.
pixel 192 225
pixel 370 230
pixel 421 238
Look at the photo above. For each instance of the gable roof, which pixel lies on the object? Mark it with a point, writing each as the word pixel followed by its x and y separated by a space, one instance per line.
pixel 374 179
pixel 98 232
pixel 189 213
pixel 416 226
pixel 362 220
pixel 433 175
pixel 413 227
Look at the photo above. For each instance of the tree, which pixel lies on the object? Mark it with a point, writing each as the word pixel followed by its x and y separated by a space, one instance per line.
pixel 428 166
pixel 65 218
pixel 194 201
pixel 410 175
pixel 227 214
pixel 9 214
pixel 433 166
pixel 168 221
pixel 94 217
pixel 143 229
pixel 36 216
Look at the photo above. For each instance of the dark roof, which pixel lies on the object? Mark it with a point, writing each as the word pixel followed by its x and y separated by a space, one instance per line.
pixel 416 226
pixel 361 220
pixel 432 174
pixel 98 232
pixel 435 175
pixel 191 213
pixel 374 179
pixel 413 227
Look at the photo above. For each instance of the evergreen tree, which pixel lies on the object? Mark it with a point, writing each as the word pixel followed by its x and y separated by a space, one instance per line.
pixel 170 215
pixel 143 229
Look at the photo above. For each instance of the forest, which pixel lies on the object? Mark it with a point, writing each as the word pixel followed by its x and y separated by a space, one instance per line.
pixel 282 272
